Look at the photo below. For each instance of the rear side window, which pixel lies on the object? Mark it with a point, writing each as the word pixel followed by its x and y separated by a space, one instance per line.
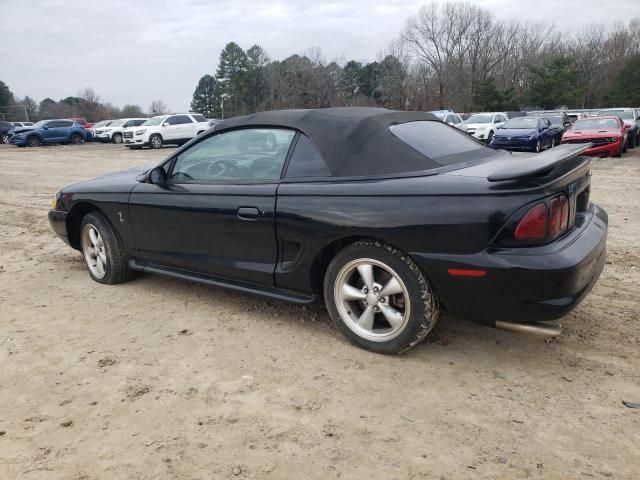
pixel 199 118
pixel 306 160
pixel 441 143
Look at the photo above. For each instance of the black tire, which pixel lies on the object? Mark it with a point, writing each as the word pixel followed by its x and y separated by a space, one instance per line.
pixel 116 270
pixel 619 152
pixel 631 141
pixel 155 141
pixel 424 309
pixel 624 146
pixel 76 139
pixel 538 147
pixel 130 147
pixel 490 137
pixel 5 138
pixel 34 141
pixel 200 132
pixel 117 138
pixel 553 142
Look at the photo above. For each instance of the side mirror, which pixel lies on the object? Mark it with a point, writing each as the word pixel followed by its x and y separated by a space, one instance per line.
pixel 157 176
pixel 46 127
pixel 165 124
pixel 451 123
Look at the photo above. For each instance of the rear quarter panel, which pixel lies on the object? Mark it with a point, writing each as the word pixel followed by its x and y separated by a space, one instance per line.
pixel 428 215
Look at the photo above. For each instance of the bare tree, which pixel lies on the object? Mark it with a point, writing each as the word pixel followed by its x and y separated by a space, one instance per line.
pixel 158 107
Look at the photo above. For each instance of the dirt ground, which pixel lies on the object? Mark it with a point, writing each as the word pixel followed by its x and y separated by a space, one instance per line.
pixel 159 378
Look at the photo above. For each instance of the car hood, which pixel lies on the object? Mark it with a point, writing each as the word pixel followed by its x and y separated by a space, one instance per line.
pixel 515 132
pixel 116 182
pixel 477 125
pixel 22 129
pixel 600 132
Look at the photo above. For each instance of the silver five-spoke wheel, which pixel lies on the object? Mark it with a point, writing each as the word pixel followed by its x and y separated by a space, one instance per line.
pixel 372 299
pixel 94 251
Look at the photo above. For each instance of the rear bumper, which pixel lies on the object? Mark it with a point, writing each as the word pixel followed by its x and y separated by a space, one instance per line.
pixel 58 221
pixel 524 284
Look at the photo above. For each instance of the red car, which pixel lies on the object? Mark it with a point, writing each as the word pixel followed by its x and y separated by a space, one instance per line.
pixel 82 121
pixel 608 135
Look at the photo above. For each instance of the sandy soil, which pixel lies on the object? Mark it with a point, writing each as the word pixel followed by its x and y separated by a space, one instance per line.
pixel 159 378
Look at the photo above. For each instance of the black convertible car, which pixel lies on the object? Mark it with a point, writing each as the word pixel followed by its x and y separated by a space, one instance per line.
pixel 386 215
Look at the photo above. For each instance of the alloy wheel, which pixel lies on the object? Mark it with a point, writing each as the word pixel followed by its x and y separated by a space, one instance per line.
pixel 156 141
pixel 94 251
pixel 372 299
pixel 5 138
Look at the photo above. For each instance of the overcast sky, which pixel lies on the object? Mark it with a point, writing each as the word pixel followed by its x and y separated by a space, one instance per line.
pixel 138 51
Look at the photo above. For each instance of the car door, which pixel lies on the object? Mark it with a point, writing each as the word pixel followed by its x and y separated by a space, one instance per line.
pixel 186 127
pixel 546 132
pixel 53 131
pixel 170 128
pixel 215 215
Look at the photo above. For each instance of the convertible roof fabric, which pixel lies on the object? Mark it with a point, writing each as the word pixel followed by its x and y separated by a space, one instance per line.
pixel 354 141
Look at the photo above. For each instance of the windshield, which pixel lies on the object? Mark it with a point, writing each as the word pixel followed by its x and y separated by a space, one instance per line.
pixel 555 120
pixel 618 113
pixel 440 143
pixel 522 122
pixel 595 124
pixel 152 121
pixel 479 118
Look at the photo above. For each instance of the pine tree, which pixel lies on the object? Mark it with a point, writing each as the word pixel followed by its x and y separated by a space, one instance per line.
pixel 204 98
pixel 231 80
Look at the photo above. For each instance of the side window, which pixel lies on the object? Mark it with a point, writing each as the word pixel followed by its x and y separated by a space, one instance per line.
pixel 457 119
pixel 198 117
pixel 306 161
pixel 171 121
pixel 65 124
pixel 247 154
pixel 181 119
pixel 136 123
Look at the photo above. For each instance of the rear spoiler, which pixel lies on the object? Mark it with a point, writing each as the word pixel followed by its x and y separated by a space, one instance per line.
pixel 532 166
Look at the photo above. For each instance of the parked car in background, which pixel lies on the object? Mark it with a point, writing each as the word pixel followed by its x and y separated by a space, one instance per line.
pixel 609 135
pixel 575 115
pixel 560 123
pixel 630 118
pixel 22 124
pixel 532 134
pixel 114 130
pixel 5 128
pixel 162 130
pixel 448 117
pixel 50 132
pixel 483 125
pixel 97 125
pixel 329 204
pixel 82 122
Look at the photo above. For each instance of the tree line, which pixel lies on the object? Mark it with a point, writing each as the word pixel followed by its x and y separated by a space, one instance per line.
pixel 451 55
pixel 86 104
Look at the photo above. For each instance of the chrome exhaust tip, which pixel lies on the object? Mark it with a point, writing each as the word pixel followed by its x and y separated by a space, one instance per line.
pixel 538 329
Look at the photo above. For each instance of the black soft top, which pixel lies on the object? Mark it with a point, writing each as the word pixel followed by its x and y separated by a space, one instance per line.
pixel 354 141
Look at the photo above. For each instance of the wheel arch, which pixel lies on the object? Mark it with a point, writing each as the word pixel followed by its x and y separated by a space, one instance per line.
pixel 74 220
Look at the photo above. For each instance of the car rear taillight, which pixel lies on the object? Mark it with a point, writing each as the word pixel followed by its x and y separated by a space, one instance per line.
pixel 533 225
pixel 540 222
pixel 558 215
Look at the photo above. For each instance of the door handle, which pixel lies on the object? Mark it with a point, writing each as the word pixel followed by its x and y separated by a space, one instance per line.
pixel 248 213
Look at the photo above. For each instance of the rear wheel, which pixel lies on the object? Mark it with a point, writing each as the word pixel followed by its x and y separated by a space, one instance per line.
pixel 76 139
pixel 117 138
pixel 379 298
pixel 102 252
pixel 155 141
pixel 33 141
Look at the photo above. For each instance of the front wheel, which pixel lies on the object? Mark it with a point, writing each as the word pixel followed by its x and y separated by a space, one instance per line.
pixel 33 141
pixel 632 141
pixel 538 147
pixel 117 138
pixel 5 138
pixel 155 141
pixel 490 137
pixel 102 252
pixel 379 298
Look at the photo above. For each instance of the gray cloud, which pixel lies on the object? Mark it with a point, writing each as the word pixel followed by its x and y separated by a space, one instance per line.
pixel 134 52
